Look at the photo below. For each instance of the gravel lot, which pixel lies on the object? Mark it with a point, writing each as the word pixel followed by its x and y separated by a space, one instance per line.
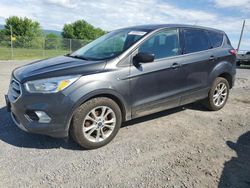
pixel 183 147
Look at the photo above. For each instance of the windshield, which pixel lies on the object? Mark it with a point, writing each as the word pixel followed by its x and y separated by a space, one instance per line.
pixel 110 45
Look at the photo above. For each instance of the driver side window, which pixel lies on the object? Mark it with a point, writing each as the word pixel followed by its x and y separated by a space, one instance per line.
pixel 163 44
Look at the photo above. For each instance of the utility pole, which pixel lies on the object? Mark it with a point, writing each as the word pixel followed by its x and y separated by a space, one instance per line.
pixel 241 34
pixel 11 42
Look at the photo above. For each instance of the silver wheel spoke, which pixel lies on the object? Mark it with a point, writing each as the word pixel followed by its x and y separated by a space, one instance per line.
pixel 86 129
pixel 107 113
pixel 223 88
pixel 110 127
pixel 104 108
pixel 90 118
pixel 215 96
pixel 99 123
pixel 102 134
pixel 93 113
pixel 217 101
pixel 220 94
pixel 90 132
pixel 224 94
pixel 109 121
pixel 97 135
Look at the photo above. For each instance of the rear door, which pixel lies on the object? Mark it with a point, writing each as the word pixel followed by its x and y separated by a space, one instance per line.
pixel 157 85
pixel 198 62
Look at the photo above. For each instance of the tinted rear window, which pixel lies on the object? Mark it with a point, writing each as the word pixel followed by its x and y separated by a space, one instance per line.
pixel 215 39
pixel 195 40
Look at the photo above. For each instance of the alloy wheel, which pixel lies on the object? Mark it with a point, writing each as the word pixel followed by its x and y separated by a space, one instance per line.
pixel 220 94
pixel 99 124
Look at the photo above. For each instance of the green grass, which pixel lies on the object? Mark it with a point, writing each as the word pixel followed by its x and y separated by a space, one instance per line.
pixel 29 54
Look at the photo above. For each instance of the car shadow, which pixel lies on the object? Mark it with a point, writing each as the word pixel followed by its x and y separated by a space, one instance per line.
pixel 236 172
pixel 12 135
pixel 152 116
pixel 198 106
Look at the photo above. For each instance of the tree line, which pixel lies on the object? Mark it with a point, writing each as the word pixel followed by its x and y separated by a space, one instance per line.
pixel 27 33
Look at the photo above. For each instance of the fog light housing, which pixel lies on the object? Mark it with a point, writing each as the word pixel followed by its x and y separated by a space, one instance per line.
pixel 43 117
pixel 38 116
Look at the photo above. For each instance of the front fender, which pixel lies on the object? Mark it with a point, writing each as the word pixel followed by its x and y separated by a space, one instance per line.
pixel 88 90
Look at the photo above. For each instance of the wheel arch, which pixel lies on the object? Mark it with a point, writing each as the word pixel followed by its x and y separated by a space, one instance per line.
pixel 115 98
pixel 225 70
pixel 125 110
pixel 228 77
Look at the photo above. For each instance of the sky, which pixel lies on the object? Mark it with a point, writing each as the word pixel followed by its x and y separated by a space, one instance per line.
pixel 226 15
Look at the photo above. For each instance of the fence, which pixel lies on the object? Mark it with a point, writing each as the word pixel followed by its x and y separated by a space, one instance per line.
pixel 22 47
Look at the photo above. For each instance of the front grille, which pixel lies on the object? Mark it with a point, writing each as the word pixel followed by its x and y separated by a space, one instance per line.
pixel 14 90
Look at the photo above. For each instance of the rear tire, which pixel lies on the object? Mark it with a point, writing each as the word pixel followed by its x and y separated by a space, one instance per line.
pixel 218 94
pixel 96 122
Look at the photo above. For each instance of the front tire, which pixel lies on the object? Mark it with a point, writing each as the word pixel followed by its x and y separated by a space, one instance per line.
pixel 218 94
pixel 96 122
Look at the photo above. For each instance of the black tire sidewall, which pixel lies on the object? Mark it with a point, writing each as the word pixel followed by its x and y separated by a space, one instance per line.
pixel 82 112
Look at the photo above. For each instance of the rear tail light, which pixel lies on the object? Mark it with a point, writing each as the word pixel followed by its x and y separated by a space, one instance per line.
pixel 233 52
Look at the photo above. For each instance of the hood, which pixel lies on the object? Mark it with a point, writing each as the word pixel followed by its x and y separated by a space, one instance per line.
pixel 58 66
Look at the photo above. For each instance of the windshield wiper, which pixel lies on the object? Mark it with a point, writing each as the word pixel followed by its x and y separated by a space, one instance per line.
pixel 77 57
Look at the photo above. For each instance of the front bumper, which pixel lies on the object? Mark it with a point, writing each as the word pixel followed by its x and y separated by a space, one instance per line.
pixel 18 123
pixel 57 106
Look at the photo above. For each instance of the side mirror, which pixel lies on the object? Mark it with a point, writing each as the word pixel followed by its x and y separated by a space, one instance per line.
pixel 144 58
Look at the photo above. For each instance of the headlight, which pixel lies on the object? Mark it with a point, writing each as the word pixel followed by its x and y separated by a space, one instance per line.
pixel 50 85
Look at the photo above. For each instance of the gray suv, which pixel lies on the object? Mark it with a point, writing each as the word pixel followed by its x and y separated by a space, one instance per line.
pixel 125 74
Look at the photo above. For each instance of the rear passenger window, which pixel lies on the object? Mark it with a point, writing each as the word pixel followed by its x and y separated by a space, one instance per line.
pixel 215 39
pixel 195 40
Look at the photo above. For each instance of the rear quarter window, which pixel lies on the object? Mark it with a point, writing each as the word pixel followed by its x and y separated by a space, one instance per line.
pixel 228 41
pixel 195 40
pixel 216 39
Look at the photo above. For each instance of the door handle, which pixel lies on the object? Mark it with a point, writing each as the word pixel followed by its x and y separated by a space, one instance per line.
pixel 175 65
pixel 212 58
